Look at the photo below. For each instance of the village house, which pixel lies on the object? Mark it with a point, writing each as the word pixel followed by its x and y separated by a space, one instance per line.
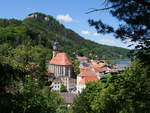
pixel 92 71
pixel 86 75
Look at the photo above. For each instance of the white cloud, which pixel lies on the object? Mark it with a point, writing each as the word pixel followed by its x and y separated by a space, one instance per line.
pixel 65 18
pixel 86 32
pixel 107 41
pixel 96 34
pixel 31 9
pixel 113 42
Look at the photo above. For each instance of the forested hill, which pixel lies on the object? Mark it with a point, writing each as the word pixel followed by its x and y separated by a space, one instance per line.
pixel 34 35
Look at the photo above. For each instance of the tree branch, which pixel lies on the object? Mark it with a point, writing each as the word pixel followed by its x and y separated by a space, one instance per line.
pixel 143 2
pixel 93 9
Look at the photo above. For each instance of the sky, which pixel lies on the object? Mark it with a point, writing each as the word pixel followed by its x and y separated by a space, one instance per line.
pixel 71 13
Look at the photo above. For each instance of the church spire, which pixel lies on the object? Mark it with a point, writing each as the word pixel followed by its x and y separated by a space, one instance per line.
pixel 55 48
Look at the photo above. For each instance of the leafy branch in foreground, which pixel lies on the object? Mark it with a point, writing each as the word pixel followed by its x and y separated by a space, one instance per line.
pixel 134 26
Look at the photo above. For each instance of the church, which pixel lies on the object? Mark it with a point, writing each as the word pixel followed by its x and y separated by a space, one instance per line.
pixel 61 68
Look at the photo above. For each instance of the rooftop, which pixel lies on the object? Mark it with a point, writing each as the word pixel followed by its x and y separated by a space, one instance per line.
pixel 87 79
pixel 60 59
pixel 88 75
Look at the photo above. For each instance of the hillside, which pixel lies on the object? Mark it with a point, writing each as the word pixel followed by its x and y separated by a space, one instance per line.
pixel 30 40
pixel 69 40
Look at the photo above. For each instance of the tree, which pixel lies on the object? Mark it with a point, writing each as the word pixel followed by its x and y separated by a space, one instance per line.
pixel 30 98
pixel 82 103
pixel 135 23
pixel 63 88
pixel 127 92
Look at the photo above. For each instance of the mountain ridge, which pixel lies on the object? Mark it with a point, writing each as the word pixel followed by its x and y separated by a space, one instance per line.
pixel 42 29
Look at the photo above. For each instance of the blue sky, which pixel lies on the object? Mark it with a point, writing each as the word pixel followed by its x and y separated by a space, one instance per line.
pixel 71 13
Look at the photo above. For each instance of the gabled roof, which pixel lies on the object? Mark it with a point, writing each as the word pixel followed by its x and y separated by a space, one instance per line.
pixel 88 75
pixel 95 63
pixel 60 59
pixel 87 79
pixel 87 72
pixel 100 69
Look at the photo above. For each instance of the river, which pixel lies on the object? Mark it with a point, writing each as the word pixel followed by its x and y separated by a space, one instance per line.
pixel 121 64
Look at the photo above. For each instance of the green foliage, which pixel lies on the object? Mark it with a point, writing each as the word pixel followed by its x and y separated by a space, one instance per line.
pixel 127 92
pixel 134 27
pixel 9 77
pixel 30 99
pixel 33 99
pixel 76 68
pixel 63 88
pixel 83 101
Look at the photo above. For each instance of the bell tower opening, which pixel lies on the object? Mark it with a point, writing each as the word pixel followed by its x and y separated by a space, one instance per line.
pixel 55 48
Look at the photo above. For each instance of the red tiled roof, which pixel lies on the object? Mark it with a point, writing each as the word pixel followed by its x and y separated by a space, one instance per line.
pixel 88 75
pixel 100 69
pixel 87 72
pixel 84 58
pixel 87 79
pixel 60 59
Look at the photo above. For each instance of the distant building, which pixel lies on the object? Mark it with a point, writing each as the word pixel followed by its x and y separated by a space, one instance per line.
pixel 83 59
pixel 61 68
pixel 32 15
pixel 70 83
pixel 86 75
pixel 46 18
pixel 94 70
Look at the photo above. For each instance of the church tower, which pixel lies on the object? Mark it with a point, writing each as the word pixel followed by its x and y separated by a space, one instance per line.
pixel 55 48
pixel 61 67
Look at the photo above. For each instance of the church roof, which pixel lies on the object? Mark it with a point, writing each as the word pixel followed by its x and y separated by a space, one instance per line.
pixel 60 59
